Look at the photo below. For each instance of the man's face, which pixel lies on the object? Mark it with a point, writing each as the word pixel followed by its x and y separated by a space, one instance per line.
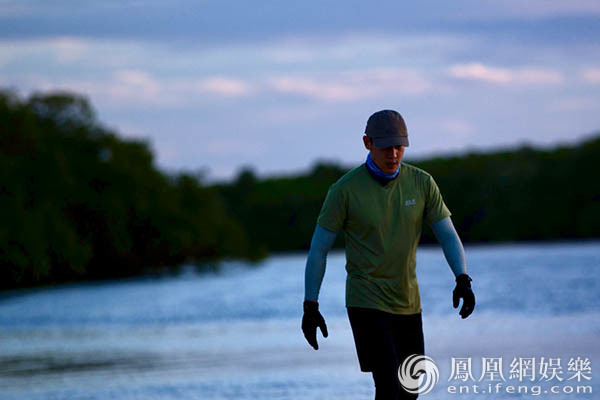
pixel 387 159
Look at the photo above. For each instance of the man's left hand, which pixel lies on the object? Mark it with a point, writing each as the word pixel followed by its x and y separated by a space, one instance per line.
pixel 463 290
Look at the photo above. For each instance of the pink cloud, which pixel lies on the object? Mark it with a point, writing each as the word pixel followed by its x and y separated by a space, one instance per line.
pixel 223 86
pixel 506 76
pixel 352 85
pixel 591 75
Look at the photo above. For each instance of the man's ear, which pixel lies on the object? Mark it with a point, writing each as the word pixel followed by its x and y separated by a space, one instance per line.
pixel 367 142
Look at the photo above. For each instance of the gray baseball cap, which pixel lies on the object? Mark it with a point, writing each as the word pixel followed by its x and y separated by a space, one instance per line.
pixel 387 128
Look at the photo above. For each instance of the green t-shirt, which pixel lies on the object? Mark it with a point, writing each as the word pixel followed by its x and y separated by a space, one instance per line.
pixel 382 227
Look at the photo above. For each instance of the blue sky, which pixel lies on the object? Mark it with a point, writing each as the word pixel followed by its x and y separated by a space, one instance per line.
pixel 217 85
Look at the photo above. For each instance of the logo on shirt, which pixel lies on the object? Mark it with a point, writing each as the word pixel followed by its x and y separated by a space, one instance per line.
pixel 410 202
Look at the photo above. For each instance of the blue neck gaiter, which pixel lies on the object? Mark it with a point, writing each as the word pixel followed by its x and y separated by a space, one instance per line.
pixel 378 174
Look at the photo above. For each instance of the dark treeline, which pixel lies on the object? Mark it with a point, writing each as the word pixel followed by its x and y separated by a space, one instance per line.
pixel 518 195
pixel 79 203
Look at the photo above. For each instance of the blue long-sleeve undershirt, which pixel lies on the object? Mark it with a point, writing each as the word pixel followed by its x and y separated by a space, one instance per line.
pixel 323 239
pixel 453 249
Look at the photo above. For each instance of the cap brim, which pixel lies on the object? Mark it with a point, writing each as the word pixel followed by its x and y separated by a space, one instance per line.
pixel 384 142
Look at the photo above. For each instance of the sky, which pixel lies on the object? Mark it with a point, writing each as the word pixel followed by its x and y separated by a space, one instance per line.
pixel 276 86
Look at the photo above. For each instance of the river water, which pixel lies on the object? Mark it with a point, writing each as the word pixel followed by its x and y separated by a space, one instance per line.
pixel 235 334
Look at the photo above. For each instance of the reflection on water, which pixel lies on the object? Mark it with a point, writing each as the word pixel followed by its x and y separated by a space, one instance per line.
pixel 236 334
pixel 38 365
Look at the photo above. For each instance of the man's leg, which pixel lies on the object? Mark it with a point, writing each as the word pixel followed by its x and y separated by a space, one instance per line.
pixel 385 369
pixel 376 349
pixel 408 340
pixel 387 386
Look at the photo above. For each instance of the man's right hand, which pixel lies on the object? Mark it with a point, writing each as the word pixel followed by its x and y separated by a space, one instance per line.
pixel 310 321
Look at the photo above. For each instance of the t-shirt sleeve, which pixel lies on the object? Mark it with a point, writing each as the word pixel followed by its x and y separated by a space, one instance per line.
pixel 333 212
pixel 435 209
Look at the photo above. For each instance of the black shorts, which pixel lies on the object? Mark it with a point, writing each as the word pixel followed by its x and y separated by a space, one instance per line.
pixel 383 340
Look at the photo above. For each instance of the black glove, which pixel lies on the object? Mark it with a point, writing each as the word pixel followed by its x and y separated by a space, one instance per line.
pixel 310 321
pixel 463 290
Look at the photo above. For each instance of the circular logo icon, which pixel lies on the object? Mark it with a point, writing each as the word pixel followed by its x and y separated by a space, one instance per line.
pixel 418 374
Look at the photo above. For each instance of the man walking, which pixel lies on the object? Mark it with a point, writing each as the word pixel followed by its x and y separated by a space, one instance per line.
pixel 380 206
